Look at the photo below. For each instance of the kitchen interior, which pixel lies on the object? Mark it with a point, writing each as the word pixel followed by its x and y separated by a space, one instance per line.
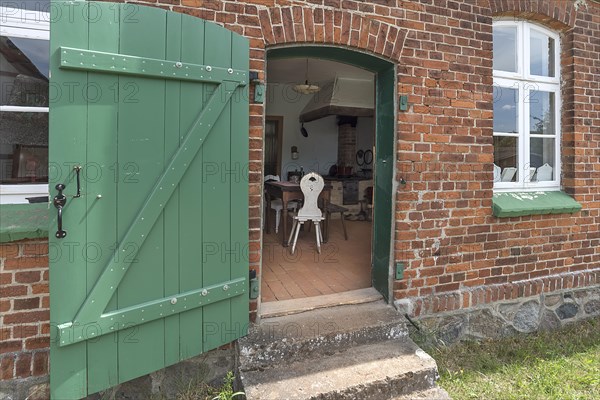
pixel 320 118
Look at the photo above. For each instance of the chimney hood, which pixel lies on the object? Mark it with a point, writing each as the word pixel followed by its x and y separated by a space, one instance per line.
pixel 343 96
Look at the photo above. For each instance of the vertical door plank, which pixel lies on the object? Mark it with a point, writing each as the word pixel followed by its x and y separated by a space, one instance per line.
pixel 141 155
pixel 190 191
pixel 100 180
pixel 171 216
pixel 68 125
pixel 216 217
pixel 239 186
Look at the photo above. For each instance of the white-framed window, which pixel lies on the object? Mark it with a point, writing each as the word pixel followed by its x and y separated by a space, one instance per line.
pixel 527 105
pixel 24 92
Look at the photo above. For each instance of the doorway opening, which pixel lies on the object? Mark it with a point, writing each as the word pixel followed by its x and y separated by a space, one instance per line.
pixel 335 131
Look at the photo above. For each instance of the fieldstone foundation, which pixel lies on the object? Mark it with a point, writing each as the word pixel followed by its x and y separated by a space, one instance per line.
pixel 166 383
pixel 33 388
pixel 546 311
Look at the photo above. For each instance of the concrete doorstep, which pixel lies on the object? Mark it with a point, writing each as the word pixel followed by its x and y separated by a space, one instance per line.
pixel 346 352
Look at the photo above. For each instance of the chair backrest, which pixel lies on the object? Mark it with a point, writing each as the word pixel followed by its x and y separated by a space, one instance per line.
pixel 311 185
pixel 271 178
pixel 544 173
pixel 508 174
pixel 497 173
pixel 532 173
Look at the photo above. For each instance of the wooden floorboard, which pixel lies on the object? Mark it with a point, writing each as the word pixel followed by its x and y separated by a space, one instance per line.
pixel 267 293
pixel 342 265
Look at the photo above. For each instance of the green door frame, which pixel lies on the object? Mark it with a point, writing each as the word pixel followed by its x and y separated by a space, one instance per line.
pixel 385 117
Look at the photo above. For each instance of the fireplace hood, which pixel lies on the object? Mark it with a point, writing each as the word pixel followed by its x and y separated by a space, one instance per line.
pixel 343 96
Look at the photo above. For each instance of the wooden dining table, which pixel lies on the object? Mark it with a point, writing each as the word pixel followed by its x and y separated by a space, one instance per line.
pixel 288 191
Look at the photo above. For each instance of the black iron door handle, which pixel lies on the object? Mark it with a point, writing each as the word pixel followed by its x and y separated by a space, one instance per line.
pixel 59 202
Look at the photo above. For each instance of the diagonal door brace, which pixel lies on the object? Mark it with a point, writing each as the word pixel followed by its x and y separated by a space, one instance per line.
pixel 97 300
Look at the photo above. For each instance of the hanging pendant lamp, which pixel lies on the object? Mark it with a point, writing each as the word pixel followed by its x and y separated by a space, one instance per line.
pixel 306 88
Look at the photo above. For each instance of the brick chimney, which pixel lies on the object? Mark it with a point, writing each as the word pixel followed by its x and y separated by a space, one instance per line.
pixel 346 141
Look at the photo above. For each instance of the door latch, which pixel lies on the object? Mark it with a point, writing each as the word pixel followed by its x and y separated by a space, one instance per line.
pixel 77 170
pixel 59 202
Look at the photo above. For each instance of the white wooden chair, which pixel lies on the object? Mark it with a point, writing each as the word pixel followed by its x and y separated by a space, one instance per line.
pixel 544 173
pixel 532 173
pixel 508 174
pixel 311 185
pixel 497 173
pixel 277 204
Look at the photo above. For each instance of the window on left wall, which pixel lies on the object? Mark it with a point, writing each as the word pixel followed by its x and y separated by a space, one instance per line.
pixel 24 97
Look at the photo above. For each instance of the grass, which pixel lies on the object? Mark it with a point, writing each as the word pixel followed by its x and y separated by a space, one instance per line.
pixel 198 389
pixel 562 364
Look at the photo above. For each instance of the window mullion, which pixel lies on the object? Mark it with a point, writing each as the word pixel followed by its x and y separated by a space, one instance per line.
pixel 523 51
pixel 526 130
pixel 520 118
pixel 523 136
pixel 526 52
pixel 24 109
pixel 557 131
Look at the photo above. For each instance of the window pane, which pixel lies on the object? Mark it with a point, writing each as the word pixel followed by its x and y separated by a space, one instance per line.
pixel 505 110
pixel 505 48
pixel 24 71
pixel 23 147
pixel 542 54
pixel 542 158
pixel 506 156
pixel 541 113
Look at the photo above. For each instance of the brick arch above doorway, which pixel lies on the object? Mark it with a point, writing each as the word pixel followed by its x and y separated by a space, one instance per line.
pixel 302 25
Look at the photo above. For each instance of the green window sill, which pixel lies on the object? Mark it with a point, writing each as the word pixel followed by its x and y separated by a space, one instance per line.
pixel 23 221
pixel 518 204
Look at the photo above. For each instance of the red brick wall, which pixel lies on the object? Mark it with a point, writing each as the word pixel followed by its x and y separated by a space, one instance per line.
pixel 453 246
pixel 24 309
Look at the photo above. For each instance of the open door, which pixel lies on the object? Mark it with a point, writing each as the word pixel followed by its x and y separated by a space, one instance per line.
pixel 385 159
pixel 384 173
pixel 149 123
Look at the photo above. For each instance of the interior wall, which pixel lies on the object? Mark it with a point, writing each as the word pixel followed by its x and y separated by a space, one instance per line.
pixel 318 151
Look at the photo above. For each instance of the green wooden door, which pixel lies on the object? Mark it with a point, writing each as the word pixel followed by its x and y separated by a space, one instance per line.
pixel 153 267
pixel 384 171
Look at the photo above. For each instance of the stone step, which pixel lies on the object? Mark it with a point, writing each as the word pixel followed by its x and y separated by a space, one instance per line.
pixel 319 332
pixel 379 371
